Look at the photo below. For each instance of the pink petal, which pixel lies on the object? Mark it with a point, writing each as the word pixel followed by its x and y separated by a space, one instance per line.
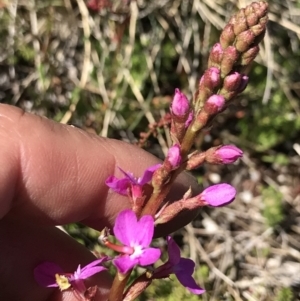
pixel 92 268
pixel 118 185
pixel 183 272
pixel 173 251
pixel 125 228
pixel 143 233
pixel 147 176
pixel 189 282
pixel 44 274
pixel 129 176
pixel 124 263
pixel 149 256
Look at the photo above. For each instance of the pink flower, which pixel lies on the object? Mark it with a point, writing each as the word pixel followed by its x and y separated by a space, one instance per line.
pixel 49 274
pixel 136 236
pixel 129 181
pixel 183 268
pixel 218 195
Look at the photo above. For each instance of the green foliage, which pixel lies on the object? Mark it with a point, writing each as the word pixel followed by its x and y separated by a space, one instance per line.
pixel 167 290
pixel 285 294
pixel 271 123
pixel 26 52
pixel 273 210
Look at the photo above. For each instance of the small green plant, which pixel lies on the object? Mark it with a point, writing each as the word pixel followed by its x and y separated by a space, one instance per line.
pixel 285 294
pixel 273 211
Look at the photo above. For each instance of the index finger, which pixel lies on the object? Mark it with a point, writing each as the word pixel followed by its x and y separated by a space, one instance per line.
pixel 54 174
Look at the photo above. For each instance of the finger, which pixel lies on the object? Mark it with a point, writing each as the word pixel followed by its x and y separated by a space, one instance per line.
pixel 24 246
pixel 55 174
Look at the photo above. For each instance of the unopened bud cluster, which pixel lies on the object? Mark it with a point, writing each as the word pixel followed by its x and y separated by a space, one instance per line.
pixel 221 82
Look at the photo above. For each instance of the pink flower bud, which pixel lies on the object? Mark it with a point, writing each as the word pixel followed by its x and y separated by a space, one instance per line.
pixel 244 40
pixel 228 154
pixel 174 156
pixel 227 36
pixel 243 84
pixel 211 78
pixel 215 55
pixel 232 81
pixel 180 105
pixel 218 195
pixel 230 57
pixel 189 120
pixel 217 102
pixel 249 55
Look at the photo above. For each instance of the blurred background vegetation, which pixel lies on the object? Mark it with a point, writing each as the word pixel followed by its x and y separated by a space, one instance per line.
pixel 111 67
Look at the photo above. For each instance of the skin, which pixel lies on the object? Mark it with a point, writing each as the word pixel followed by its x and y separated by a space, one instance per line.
pixel 53 174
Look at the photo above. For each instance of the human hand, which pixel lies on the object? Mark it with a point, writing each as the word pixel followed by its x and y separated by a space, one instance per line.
pixel 53 174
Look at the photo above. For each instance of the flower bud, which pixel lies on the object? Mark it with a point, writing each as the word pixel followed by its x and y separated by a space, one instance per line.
pixel 227 36
pixel 174 156
pixel 218 195
pixel 180 105
pixel 240 24
pixel 215 55
pixel 189 120
pixel 232 81
pixel 214 104
pixel 244 40
pixel 230 57
pixel 248 56
pixel 226 154
pixel 210 79
pixel 252 20
pixel 208 83
pixel 243 84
